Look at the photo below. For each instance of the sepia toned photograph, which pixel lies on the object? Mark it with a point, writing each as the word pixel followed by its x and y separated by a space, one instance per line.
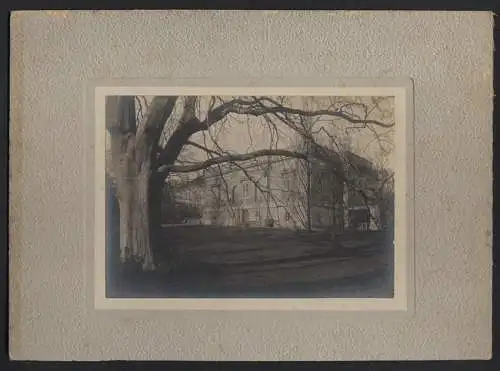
pixel 249 196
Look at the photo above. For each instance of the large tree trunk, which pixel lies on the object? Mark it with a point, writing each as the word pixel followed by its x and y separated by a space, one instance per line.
pixel 142 248
pixel 136 242
pixel 133 182
pixel 134 167
pixel 125 176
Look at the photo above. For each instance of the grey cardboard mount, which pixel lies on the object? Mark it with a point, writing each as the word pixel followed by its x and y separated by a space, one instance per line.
pixel 448 57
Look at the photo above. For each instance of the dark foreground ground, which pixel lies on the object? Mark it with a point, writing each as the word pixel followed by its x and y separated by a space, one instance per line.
pixel 238 262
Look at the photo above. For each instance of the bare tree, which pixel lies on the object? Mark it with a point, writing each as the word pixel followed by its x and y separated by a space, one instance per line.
pixel 143 156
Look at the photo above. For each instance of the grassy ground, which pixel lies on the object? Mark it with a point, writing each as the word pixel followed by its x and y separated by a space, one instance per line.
pixel 261 262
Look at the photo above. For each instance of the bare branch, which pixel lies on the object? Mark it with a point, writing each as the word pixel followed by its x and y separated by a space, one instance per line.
pixel 189 112
pixel 156 117
pixel 230 158
pixel 210 154
pixel 256 107
pixel 235 163
pixel 199 146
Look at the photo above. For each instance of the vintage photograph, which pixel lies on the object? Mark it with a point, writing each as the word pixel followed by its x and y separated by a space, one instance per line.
pixel 249 196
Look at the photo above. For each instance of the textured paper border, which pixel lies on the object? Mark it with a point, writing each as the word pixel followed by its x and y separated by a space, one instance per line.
pixel 401 89
pixel 448 55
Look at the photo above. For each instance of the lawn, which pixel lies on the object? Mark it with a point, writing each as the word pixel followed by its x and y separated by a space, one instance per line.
pixel 266 262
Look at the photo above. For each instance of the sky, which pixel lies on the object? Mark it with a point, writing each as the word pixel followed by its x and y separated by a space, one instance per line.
pixel 243 133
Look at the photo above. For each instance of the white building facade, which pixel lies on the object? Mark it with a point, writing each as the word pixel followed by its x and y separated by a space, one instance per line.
pixel 281 193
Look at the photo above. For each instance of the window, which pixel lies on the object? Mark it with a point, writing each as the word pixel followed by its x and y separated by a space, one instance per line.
pixel 267 170
pixel 289 185
pixel 256 194
pixel 288 217
pixel 216 192
pixel 319 218
pixel 323 181
pixel 286 181
pixel 232 196
pixel 216 186
pixel 245 189
pixel 257 215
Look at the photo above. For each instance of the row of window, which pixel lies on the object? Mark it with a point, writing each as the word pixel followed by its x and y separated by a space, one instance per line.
pixel 232 192
pixel 320 184
pixel 249 190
